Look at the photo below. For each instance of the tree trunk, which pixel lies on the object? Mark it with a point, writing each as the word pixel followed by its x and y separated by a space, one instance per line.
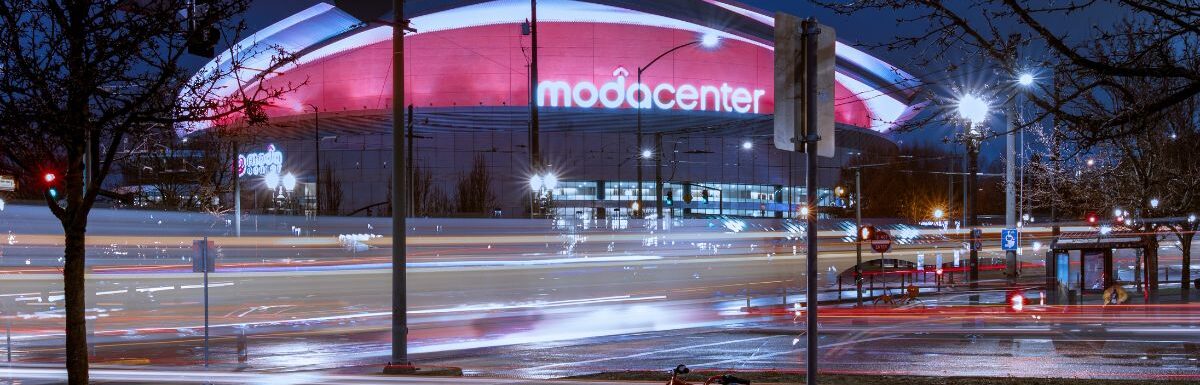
pixel 74 290
pixel 1185 275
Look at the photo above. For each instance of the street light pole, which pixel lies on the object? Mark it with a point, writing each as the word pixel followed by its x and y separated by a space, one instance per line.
pixel 317 145
pixel 858 232
pixel 638 105
pixel 1010 184
pixel 972 216
pixel 535 157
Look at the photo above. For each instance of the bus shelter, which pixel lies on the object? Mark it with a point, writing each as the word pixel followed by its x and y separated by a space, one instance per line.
pixel 1081 263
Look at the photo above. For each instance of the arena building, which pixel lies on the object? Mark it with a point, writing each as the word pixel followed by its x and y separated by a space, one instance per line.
pixel 706 118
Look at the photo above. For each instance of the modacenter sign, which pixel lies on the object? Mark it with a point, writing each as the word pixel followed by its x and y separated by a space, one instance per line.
pixel 623 93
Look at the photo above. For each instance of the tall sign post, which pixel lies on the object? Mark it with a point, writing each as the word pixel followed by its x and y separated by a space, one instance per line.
pixel 804 71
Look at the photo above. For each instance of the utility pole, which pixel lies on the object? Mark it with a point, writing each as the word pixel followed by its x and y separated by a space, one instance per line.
pixel 399 360
pixel 535 156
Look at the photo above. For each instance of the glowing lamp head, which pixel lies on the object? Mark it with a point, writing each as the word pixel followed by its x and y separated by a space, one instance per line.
pixel 973 108
pixel 550 180
pixel 938 213
pixel 289 182
pixel 646 154
pixel 536 183
pixel 1025 79
pixel 804 211
pixel 747 145
pixel 710 40
pixel 1117 212
pixel 1191 218
pixel 635 206
pixel 1154 203
pixel 272 180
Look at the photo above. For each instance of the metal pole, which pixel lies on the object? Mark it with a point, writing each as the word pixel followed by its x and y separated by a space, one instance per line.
pixel 858 236
pixel 637 213
pixel 237 191
pixel 8 336
pixel 399 196
pixel 658 181
pixel 811 139
pixel 535 157
pixel 972 216
pixel 411 164
pixel 1010 187
pixel 204 266
pixel 317 145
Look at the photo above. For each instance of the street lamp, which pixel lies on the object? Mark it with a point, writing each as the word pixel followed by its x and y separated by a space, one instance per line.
pixel 974 110
pixel 709 40
pixel 646 154
pixel 1154 203
pixel 1026 79
pixel 938 214
pixel 272 180
pixel 543 186
pixel 747 145
pixel 289 182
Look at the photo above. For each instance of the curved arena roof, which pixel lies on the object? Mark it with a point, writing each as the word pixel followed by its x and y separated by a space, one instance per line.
pixel 467 66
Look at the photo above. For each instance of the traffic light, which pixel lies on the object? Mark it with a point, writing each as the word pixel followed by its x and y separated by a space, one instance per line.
pixel 202 34
pixel 1016 300
pixel 51 181
pixel 1092 219
pixel 670 197
pixel 704 195
pixel 865 232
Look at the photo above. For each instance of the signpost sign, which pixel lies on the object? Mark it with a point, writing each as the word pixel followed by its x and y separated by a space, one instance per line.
pixel 8 183
pixel 1009 239
pixel 881 241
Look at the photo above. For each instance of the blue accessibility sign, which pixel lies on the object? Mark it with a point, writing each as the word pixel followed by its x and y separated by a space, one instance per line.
pixel 1009 239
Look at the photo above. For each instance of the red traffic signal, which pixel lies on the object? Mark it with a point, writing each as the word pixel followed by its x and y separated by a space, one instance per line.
pixel 49 177
pixel 1091 218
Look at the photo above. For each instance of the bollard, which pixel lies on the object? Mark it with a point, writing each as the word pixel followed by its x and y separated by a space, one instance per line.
pixel 242 354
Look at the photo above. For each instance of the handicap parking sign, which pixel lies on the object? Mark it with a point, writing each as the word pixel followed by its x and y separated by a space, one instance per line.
pixel 1008 239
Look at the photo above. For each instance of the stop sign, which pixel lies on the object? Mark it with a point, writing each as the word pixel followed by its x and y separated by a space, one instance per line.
pixel 881 241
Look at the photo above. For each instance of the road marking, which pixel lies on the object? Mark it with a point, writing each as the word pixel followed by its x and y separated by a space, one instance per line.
pixel 651 353
pixel 112 292
pixel 154 289
pixel 768 355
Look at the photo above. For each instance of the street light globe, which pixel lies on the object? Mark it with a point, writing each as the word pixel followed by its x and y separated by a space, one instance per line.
pixel 1154 203
pixel 646 154
pixel 804 211
pixel 550 180
pixel 973 108
pixel 1191 218
pixel 1025 79
pixel 635 206
pixel 535 182
pixel 747 145
pixel 710 40
pixel 938 213
pixel 289 182
pixel 272 180
pixel 1117 212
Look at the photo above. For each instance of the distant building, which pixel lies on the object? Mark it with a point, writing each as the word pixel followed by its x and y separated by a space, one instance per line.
pixel 468 81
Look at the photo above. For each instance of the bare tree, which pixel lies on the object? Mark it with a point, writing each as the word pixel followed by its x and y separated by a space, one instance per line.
pixel 331 191
pixel 1096 64
pixel 83 80
pixel 475 189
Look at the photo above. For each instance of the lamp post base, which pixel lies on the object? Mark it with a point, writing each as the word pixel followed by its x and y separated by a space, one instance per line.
pixel 410 369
